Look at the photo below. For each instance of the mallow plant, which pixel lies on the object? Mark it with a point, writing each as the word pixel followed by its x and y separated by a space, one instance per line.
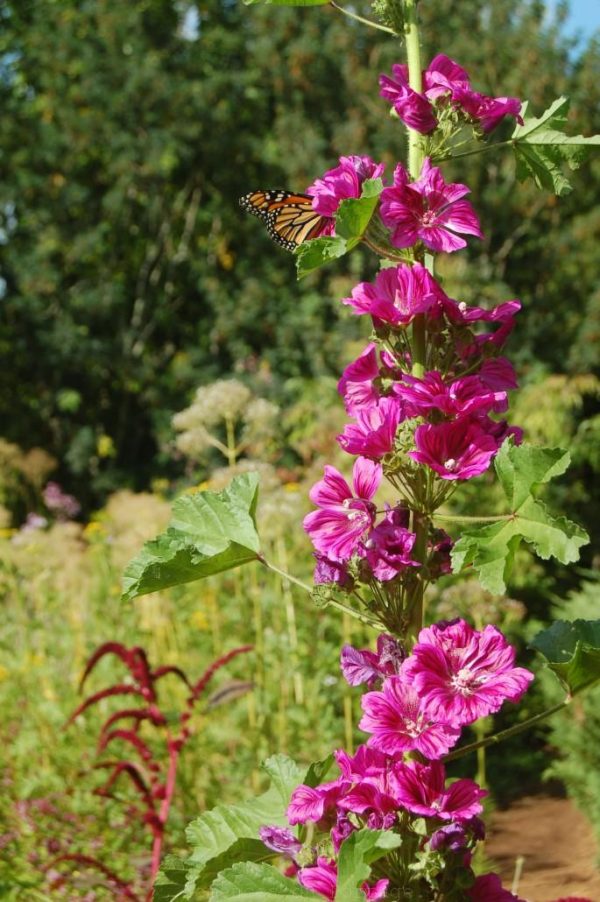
pixel 426 403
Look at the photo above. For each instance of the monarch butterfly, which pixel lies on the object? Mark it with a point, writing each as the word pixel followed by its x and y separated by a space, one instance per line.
pixel 289 218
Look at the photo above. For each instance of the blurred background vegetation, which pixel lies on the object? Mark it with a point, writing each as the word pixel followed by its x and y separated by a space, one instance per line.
pixel 130 281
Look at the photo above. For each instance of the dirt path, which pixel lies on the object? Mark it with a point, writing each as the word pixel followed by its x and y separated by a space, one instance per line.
pixel 557 844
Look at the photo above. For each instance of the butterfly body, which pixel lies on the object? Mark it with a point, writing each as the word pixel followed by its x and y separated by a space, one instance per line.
pixel 289 217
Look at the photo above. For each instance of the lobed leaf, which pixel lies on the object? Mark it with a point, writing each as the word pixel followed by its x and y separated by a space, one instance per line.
pixel 313 254
pixel 572 650
pixel 541 149
pixel 491 549
pixel 170 880
pixel 250 882
pixel 354 214
pixel 209 532
pixel 229 833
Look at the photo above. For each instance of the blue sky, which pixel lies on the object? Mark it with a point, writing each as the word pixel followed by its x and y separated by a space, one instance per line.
pixel 584 16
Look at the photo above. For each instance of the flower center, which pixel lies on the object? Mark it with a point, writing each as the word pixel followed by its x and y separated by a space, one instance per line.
pixel 450 464
pixel 464 681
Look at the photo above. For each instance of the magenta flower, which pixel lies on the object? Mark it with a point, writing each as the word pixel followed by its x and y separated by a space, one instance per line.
pixel 338 184
pixel 498 374
pixel 327 571
pixel 488 888
pixel 428 210
pixel 443 76
pixel 455 450
pixel 366 666
pixel 374 432
pixel 413 108
pixel 421 789
pixel 462 314
pixel 488 112
pixel 399 722
pixel 357 383
pixel 338 527
pixel 463 674
pixel 388 546
pixel 279 839
pixel 322 879
pixel 312 804
pixel 462 397
pixel 365 764
pixel 397 295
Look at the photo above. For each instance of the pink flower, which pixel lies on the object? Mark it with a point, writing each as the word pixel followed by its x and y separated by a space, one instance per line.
pixel 327 571
pixel 366 666
pixel 374 432
pixel 322 878
pixel 400 723
pixel 487 111
pixel 462 314
pixel 397 295
pixel 388 546
pixel 461 397
pixel 443 76
pixel 357 383
pixel 312 804
pixel 455 450
pixel 281 840
pixel 488 888
pixel 338 184
pixel 498 374
pixel 338 527
pixel 414 109
pixel 463 674
pixel 421 789
pixel 429 210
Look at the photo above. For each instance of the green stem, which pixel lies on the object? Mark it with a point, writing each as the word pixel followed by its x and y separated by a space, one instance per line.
pixel 506 734
pixel 415 80
pixel 288 576
pixel 484 148
pixel 460 519
pixel 364 21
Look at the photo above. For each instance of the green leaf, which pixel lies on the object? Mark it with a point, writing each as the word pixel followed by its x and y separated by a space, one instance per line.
pixel 572 651
pixel 491 549
pixel 258 883
pixel 171 879
pixel 208 533
pixel 541 149
pixel 354 214
pixel 356 855
pixel 317 772
pixel 229 833
pixel 313 254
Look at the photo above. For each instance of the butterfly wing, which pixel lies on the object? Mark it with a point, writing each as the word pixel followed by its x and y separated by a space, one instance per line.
pixel 289 218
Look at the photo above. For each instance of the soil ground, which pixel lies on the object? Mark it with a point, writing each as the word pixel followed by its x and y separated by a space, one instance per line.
pixel 557 844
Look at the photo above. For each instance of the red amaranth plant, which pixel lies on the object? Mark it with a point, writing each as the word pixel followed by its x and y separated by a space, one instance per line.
pixel 152 775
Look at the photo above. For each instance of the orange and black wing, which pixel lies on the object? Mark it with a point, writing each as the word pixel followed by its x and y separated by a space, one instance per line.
pixel 289 218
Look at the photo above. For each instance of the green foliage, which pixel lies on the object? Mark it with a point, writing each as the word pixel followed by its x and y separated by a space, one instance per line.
pixel 257 883
pixel 210 532
pixel 351 222
pixel 541 149
pixel 572 651
pixel 491 549
pixel 360 850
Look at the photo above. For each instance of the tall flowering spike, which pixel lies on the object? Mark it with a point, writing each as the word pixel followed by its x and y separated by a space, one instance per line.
pixel 340 183
pixel 398 294
pixel 421 788
pixel 456 450
pixel 344 517
pixel 463 674
pixel 428 210
pixel 374 432
pixel 399 722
